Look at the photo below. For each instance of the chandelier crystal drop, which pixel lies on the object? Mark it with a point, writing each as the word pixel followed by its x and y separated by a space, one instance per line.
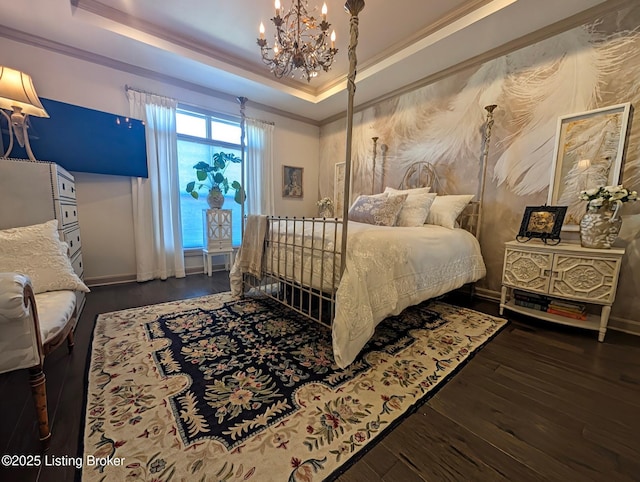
pixel 301 43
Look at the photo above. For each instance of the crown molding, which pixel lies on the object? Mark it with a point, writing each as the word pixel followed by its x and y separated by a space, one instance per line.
pixel 96 7
pixel 568 23
pixel 69 51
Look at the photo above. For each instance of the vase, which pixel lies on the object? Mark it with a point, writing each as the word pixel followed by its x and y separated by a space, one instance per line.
pixel 215 199
pixel 325 212
pixel 600 228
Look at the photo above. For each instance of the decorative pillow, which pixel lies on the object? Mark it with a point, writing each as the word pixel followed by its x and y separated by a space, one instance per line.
pixel 445 209
pixel 416 208
pixel 381 210
pixel 37 252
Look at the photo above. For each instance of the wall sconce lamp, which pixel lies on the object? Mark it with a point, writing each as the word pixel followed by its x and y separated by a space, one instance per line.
pixel 18 96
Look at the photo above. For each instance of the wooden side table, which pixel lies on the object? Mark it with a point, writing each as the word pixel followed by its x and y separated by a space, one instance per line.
pixel 207 256
pixel 565 272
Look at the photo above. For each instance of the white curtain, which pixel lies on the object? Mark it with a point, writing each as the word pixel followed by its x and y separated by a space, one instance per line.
pixel 259 168
pixel 156 199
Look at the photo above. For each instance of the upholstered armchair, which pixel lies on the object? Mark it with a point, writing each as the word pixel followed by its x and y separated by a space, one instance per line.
pixel 31 326
pixel 37 304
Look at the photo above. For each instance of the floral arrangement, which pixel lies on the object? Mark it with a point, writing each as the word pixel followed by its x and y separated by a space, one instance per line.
pixel 325 203
pixel 599 196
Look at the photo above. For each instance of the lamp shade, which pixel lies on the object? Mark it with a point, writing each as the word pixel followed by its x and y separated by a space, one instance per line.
pixel 16 90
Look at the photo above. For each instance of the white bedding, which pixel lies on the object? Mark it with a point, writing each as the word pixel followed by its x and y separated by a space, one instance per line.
pixel 387 269
pixel 391 268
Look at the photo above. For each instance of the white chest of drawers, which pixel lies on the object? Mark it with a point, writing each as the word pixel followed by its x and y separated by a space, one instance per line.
pixel 33 192
pixel 566 272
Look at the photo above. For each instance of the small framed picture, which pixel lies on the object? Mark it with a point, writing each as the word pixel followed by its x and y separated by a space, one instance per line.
pixel 542 222
pixel 292 181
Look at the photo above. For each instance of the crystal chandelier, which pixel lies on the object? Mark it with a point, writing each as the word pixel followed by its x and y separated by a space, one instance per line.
pixel 300 42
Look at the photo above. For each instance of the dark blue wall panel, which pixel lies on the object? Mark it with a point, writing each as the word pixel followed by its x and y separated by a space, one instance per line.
pixel 86 140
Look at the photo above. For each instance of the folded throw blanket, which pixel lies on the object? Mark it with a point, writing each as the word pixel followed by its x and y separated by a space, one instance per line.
pixel 249 259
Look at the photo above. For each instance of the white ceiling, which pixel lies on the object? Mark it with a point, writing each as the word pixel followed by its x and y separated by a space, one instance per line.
pixel 211 44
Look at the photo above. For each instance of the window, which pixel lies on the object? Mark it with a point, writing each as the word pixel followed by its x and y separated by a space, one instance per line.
pixel 200 135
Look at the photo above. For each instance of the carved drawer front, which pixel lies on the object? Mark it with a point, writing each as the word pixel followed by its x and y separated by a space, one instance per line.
pixel 72 238
pixel 527 269
pixel 589 279
pixel 66 188
pixel 68 215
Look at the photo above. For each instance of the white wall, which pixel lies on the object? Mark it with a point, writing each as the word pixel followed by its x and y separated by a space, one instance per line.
pixel 104 202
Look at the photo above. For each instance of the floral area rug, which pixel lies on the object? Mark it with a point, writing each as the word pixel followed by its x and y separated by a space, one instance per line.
pixel 216 388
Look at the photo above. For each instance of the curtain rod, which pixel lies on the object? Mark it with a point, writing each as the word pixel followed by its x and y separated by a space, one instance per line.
pixel 262 121
pixel 127 88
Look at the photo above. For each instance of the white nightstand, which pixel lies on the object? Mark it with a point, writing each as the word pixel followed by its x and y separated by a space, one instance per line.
pixel 217 237
pixel 566 272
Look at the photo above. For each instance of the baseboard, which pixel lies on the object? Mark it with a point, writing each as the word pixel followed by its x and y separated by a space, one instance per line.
pixel 131 278
pixel 616 323
pixel 110 280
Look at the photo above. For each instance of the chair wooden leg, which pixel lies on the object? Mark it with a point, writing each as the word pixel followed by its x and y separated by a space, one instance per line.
pixel 39 391
pixel 70 341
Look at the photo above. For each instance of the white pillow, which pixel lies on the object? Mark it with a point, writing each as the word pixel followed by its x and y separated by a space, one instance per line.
pixel 416 208
pixel 37 252
pixel 445 209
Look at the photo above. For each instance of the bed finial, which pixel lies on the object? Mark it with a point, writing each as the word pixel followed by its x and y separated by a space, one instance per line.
pixel 373 175
pixel 354 7
pixel 483 159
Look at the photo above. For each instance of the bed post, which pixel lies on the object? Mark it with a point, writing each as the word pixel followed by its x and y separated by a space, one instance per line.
pixel 373 176
pixel 243 119
pixel 485 155
pixel 354 7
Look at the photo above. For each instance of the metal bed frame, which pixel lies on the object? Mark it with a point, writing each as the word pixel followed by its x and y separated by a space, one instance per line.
pixel 319 303
pixel 286 250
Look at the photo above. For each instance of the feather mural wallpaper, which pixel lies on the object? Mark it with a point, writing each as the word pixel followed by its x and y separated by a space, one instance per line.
pixel 592 66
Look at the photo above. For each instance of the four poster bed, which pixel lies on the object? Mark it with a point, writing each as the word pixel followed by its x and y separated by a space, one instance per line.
pixel 351 276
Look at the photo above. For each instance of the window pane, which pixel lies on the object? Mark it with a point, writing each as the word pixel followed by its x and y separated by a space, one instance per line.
pixel 189 154
pixel 221 131
pixel 191 125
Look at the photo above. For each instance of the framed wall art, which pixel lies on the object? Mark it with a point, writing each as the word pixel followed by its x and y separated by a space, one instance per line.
pixel 589 153
pixel 542 222
pixel 292 182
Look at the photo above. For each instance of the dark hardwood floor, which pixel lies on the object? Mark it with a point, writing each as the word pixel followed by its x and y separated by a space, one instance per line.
pixel 539 402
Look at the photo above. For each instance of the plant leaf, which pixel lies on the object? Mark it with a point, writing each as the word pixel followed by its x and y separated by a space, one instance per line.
pixel 236 185
pixel 201 175
pixel 219 178
pixel 190 186
pixel 194 194
pixel 239 196
pixel 203 166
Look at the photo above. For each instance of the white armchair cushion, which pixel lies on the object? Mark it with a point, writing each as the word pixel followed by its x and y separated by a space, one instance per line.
pixel 37 252
pixel 18 336
pixel 55 309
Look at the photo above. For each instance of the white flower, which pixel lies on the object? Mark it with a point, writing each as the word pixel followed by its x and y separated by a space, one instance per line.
pixel 597 202
pixel 325 202
pixel 591 192
pixel 633 195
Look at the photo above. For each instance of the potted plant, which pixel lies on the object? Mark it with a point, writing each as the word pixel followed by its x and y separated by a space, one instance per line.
pixel 212 177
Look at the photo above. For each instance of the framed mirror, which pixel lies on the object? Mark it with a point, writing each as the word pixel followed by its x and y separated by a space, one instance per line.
pixel 588 154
